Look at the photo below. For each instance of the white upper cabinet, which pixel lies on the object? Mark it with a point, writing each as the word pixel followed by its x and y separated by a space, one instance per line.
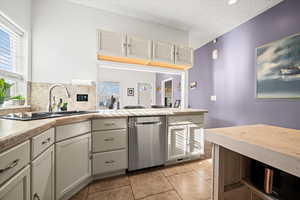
pixel 183 56
pixel 138 48
pixel 127 46
pixel 111 44
pixel 163 52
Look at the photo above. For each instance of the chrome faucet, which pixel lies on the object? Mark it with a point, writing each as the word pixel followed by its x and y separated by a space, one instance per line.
pixel 50 109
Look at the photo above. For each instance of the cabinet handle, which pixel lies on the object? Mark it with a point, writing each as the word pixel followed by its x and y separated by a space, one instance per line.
pixel 36 197
pixel 91 156
pixel 128 45
pixel 124 44
pixel 46 141
pixel 109 124
pixel 109 139
pixel 12 165
pixel 109 162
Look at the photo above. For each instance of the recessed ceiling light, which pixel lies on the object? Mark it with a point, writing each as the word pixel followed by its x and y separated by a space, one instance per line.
pixel 231 2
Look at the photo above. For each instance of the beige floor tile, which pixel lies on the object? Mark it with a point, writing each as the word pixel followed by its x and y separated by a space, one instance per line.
pixel 110 183
pixel 171 195
pixel 191 186
pixel 123 193
pixel 204 168
pixel 203 164
pixel 149 183
pixel 177 169
pixel 81 195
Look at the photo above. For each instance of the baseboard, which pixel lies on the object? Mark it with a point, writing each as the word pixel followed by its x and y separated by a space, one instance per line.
pixel 76 189
pixel 110 174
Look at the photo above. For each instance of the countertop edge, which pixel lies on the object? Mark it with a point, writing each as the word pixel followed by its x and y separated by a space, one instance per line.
pixel 18 138
pixel 285 162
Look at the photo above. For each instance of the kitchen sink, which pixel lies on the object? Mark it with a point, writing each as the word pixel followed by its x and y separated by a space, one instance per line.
pixel 43 115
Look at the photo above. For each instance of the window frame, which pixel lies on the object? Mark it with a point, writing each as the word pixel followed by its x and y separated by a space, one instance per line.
pixel 20 74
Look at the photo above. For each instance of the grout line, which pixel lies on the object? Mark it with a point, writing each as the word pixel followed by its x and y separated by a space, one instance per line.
pixel 174 188
pixel 150 195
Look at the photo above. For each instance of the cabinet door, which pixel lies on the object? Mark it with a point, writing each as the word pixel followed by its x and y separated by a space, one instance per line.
pixel 196 139
pixel 177 142
pixel 183 56
pixel 138 48
pixel 163 52
pixel 111 44
pixel 73 164
pixel 18 187
pixel 42 170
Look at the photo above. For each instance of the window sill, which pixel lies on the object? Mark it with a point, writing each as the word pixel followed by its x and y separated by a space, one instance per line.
pixel 14 109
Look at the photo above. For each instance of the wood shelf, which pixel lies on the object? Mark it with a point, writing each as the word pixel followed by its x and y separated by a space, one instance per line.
pixel 142 62
pixel 256 191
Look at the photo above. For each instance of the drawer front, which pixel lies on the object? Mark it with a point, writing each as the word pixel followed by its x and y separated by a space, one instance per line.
pixel 109 124
pixel 41 142
pixel 109 161
pixel 109 140
pixel 13 160
pixel 185 119
pixel 72 130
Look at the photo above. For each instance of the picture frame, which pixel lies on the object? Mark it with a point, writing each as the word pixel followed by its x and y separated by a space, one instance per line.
pixel 130 91
pixel 278 69
pixel 177 104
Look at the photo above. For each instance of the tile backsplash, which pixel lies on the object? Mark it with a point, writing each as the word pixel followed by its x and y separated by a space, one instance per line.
pixel 39 96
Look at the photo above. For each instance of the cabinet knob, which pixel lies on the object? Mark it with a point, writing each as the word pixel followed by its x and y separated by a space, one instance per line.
pixel 108 139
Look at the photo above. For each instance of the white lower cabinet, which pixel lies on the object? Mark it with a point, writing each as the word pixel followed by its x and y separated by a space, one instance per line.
pixel 18 187
pixel 73 164
pixel 185 141
pixel 109 161
pixel 177 142
pixel 195 139
pixel 42 173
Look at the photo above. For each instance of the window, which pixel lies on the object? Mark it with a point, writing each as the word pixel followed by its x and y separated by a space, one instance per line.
pixel 12 67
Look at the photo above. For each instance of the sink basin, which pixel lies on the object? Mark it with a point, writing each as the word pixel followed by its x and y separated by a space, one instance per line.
pixel 43 115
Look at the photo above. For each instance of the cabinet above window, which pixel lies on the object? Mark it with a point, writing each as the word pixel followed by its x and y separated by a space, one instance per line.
pixel 118 47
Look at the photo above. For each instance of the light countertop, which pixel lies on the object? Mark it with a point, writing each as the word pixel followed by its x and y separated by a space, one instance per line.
pixel 276 146
pixel 14 132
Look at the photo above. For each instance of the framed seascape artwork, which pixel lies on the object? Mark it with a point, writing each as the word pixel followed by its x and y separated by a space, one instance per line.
pixel 278 69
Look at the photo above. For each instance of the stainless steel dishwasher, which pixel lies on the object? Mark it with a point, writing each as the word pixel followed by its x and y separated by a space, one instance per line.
pixel 146 142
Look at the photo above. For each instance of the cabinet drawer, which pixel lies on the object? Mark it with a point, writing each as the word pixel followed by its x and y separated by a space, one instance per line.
pixel 41 142
pixel 109 161
pixel 13 160
pixel 72 130
pixel 185 119
pixel 109 140
pixel 109 124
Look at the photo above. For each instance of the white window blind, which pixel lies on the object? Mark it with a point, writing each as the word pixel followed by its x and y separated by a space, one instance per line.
pixel 11 39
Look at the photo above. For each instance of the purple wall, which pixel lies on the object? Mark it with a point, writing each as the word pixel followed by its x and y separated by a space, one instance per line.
pixel 232 76
pixel 176 86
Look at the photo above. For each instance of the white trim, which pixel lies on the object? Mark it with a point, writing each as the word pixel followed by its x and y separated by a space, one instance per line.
pixel 134 67
pixel 163 91
pixel 9 23
pixel 185 89
pixel 11 75
pixel 184 75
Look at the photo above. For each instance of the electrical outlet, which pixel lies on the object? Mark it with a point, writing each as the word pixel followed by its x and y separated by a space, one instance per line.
pixel 213 98
pixel 82 97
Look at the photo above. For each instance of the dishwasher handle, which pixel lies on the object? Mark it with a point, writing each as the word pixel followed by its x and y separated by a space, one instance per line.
pixel 147 123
